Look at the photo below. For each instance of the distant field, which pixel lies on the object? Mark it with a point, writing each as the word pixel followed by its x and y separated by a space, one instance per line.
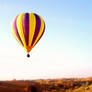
pixel 50 85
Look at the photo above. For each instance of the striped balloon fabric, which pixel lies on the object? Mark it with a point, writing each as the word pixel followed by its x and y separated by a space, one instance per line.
pixel 28 28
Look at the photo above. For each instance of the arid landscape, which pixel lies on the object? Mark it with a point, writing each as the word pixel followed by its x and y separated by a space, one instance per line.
pixel 49 85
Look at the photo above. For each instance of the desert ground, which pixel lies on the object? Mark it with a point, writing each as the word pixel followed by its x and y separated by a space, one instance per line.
pixel 48 85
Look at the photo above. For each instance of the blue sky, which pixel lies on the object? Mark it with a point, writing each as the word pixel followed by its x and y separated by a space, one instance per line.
pixel 65 49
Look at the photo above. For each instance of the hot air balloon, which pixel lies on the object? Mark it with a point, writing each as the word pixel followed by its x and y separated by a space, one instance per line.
pixel 28 29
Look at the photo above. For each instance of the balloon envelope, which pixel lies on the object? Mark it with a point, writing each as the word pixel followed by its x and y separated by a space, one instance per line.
pixel 28 28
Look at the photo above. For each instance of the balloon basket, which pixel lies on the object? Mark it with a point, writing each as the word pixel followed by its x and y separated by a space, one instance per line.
pixel 28 55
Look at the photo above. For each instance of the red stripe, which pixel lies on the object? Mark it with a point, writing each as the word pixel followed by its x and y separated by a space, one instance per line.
pixel 16 30
pixel 41 34
pixel 26 27
pixel 37 29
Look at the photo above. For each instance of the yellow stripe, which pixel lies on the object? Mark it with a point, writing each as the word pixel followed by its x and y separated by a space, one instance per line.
pixel 20 29
pixel 40 32
pixel 15 35
pixel 32 24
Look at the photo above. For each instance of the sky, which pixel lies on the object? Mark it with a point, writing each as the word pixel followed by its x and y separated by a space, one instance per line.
pixel 65 50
